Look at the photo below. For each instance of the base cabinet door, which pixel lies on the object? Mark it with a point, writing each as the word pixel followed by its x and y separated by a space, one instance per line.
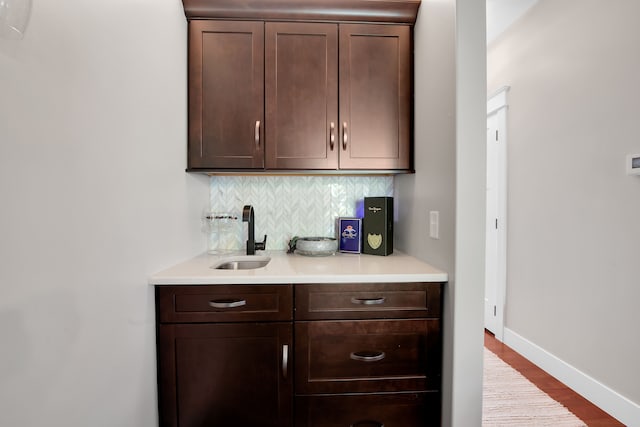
pixel 371 410
pixel 225 375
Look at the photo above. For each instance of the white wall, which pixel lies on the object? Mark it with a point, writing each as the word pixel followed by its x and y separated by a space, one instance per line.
pixel 502 13
pixel 94 198
pixel 468 324
pixel 574 228
pixel 450 113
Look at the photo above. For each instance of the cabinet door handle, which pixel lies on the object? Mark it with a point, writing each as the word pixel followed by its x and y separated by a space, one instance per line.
pixel 367 423
pixel 332 136
pixel 345 135
pixel 227 303
pixel 367 356
pixel 256 135
pixel 368 301
pixel 285 360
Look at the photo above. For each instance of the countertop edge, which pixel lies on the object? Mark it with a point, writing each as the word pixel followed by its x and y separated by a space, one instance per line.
pixel 292 269
pixel 243 280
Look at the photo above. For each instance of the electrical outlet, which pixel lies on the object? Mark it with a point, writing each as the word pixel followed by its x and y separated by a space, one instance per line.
pixel 434 224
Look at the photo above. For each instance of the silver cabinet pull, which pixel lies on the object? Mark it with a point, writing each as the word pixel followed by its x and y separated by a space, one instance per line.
pixel 257 134
pixel 332 136
pixel 345 135
pixel 367 423
pixel 368 356
pixel 227 303
pixel 285 360
pixel 368 301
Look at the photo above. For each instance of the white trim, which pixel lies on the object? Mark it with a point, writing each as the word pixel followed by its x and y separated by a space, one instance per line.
pixel 610 401
pixel 497 100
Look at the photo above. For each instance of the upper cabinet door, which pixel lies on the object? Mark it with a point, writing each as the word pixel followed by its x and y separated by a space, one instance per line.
pixel 301 84
pixel 375 97
pixel 226 95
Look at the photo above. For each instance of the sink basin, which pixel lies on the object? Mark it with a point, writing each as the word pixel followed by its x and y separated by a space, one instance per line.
pixel 242 262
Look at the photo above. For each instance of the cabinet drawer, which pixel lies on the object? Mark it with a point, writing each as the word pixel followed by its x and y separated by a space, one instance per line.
pixel 224 303
pixel 367 356
pixel 367 300
pixel 374 410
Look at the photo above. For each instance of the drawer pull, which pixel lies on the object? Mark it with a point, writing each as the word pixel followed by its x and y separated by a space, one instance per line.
pixel 368 301
pixel 285 360
pixel 345 135
pixel 332 137
pixel 367 356
pixel 256 135
pixel 367 423
pixel 227 303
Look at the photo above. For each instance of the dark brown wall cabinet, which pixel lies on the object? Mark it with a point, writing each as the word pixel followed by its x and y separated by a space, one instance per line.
pixel 375 97
pixel 353 355
pixel 226 95
pixel 299 96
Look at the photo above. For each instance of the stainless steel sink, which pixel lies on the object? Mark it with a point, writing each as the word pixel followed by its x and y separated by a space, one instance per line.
pixel 241 262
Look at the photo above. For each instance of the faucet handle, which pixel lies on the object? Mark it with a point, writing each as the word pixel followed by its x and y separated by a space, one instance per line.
pixel 261 246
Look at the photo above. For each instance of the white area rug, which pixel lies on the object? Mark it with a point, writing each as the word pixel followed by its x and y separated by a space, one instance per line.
pixel 509 399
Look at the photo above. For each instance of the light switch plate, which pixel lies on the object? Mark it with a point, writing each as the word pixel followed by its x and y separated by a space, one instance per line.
pixel 633 164
pixel 434 224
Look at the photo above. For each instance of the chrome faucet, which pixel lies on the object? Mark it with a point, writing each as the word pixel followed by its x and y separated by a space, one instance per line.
pixel 252 245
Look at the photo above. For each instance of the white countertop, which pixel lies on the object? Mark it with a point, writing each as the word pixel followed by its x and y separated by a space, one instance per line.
pixel 294 268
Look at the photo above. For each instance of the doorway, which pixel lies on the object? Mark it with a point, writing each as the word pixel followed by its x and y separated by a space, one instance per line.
pixel 496 223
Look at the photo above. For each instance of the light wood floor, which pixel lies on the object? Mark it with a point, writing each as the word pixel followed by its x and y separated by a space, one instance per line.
pixel 581 407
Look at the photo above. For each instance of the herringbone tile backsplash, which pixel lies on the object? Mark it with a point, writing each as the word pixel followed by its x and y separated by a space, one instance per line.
pixel 287 206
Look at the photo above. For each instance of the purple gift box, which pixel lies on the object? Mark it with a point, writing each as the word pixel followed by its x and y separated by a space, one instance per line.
pixel 349 235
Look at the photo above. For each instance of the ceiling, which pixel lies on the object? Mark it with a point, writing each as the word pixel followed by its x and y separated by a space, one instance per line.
pixel 502 13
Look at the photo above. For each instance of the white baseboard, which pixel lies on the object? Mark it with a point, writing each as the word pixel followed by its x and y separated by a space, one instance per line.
pixel 616 405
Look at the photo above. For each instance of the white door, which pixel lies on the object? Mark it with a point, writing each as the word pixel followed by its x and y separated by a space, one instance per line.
pixel 491 249
pixel 496 225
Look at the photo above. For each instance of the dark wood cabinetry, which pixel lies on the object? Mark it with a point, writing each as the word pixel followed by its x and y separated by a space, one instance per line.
pixel 301 74
pixel 365 354
pixel 368 301
pixel 368 410
pixel 299 96
pixel 226 95
pixel 206 368
pixel 375 96
pixel 370 352
pixel 226 374
pixel 371 129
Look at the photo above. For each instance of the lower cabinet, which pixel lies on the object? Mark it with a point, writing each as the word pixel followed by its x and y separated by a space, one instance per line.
pixel 368 410
pixel 225 355
pixel 360 355
pixel 207 368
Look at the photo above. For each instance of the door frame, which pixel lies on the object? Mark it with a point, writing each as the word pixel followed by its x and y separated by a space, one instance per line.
pixel 497 104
